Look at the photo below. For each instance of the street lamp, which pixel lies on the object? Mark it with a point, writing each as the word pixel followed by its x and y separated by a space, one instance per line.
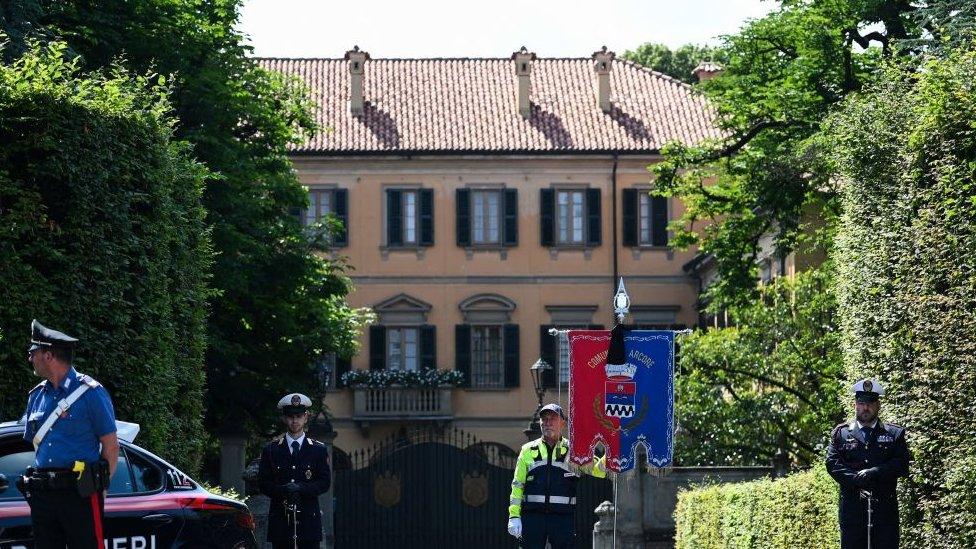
pixel 538 371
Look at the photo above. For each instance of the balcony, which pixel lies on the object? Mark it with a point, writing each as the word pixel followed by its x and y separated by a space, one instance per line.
pixel 377 404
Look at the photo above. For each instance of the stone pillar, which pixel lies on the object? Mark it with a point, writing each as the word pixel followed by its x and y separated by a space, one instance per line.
pixel 232 461
pixel 320 429
pixel 628 509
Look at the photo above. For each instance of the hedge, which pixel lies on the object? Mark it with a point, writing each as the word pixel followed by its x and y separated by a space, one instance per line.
pixel 906 153
pixel 102 236
pixel 796 511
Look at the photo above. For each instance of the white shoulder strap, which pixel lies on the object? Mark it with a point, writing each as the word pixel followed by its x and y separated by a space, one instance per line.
pixel 60 409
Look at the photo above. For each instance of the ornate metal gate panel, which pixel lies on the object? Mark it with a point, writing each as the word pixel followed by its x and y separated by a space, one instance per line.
pixel 427 489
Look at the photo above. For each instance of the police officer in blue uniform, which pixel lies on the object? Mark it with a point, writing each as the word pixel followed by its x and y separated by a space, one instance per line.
pixel 71 422
pixel 293 472
pixel 866 457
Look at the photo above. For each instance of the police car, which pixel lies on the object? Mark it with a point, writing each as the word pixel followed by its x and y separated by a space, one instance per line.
pixel 150 504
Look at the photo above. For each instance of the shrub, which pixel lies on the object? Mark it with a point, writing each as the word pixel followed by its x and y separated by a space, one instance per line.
pixel 103 237
pixel 796 511
pixel 427 377
pixel 906 152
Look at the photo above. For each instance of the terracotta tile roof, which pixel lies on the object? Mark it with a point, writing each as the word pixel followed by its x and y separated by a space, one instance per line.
pixel 471 105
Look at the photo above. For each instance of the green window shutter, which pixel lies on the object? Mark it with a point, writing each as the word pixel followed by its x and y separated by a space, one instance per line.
pixel 547 215
pixel 463 199
pixel 394 218
pixel 631 203
pixel 426 217
pixel 511 344
pixel 594 228
pixel 341 238
pixel 548 351
pixel 510 224
pixel 377 347
pixel 342 365
pixel 462 351
pixel 659 221
pixel 428 346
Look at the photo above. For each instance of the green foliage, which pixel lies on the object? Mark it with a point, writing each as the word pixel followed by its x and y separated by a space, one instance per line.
pixel 768 382
pixel 279 304
pixel 427 377
pixel 783 74
pixel 906 154
pixel 104 238
pixel 797 511
pixel 676 63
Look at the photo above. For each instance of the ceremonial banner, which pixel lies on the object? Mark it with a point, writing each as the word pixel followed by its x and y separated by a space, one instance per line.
pixel 621 395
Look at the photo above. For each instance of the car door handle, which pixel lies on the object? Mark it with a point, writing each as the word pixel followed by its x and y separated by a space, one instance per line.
pixel 160 518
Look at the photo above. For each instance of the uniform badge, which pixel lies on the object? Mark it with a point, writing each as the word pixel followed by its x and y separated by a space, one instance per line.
pixel 868 385
pixel 308 474
pixel 296 400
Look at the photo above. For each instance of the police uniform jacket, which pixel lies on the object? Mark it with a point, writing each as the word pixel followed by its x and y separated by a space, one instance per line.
pixel 545 480
pixel 309 468
pixel 75 435
pixel 849 452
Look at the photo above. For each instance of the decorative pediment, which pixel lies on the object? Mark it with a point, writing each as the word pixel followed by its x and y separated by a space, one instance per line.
pixel 402 309
pixel 487 309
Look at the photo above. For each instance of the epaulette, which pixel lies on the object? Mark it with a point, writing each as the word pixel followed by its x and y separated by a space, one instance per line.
pixel 36 387
pixel 280 439
pixel 87 380
pixel 312 441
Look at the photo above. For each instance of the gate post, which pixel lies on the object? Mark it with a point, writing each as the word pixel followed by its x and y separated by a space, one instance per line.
pixel 320 429
pixel 629 511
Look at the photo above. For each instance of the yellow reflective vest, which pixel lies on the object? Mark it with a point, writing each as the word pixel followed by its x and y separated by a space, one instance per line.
pixel 545 482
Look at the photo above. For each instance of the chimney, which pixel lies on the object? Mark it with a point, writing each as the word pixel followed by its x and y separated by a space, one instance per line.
pixel 602 60
pixel 523 68
pixel 357 60
pixel 706 70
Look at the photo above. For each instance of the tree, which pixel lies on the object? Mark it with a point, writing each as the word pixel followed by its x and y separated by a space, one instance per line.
pixel 675 63
pixel 768 382
pixel 782 76
pixel 104 237
pixel 279 303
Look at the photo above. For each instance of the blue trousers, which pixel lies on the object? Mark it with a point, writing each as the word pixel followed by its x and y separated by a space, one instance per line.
pixel 559 530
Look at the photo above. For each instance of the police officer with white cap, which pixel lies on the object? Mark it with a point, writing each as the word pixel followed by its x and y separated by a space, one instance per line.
pixel 293 472
pixel 866 457
pixel 71 422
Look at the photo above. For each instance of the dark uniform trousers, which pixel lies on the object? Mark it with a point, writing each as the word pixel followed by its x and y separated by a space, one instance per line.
pixel 558 528
pixel 850 452
pixel 62 518
pixel 309 468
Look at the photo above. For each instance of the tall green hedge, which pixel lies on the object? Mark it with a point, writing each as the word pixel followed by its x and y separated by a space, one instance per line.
pixel 906 150
pixel 102 236
pixel 796 511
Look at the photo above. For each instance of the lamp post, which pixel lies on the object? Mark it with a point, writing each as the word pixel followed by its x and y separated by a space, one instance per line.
pixel 538 371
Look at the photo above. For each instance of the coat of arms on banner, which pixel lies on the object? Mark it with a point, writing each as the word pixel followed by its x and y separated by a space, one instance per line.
pixel 621 395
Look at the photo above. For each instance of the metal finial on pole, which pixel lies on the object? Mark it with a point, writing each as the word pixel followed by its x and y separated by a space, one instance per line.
pixel 621 302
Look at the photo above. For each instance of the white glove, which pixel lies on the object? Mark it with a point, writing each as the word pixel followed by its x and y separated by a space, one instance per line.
pixel 515 527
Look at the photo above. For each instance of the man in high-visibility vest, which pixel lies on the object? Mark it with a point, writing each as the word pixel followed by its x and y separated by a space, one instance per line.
pixel 543 502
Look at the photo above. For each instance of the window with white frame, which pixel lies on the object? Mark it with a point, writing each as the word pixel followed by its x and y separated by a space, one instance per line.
pixel 486 216
pixel 487 357
pixel 402 348
pixel 570 217
pixel 321 202
pixel 410 211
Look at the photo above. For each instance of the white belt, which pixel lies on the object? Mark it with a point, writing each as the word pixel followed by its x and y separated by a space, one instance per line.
pixel 552 499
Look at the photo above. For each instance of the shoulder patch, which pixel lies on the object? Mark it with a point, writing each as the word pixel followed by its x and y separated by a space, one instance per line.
pixel 87 380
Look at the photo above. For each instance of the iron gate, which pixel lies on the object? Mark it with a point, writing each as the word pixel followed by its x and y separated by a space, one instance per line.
pixel 429 488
